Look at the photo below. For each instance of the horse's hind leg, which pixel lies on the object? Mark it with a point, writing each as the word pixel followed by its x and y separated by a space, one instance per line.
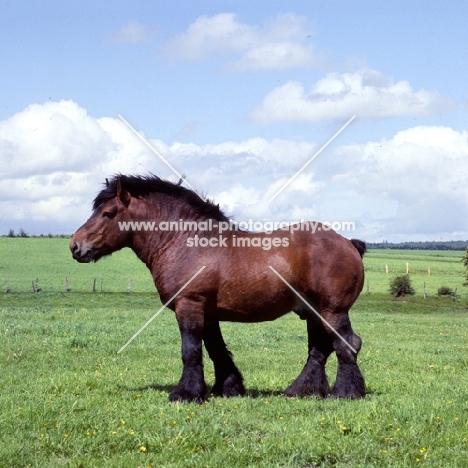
pixel 349 379
pixel 313 379
pixel 228 379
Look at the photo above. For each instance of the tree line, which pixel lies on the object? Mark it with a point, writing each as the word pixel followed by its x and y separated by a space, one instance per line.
pixel 420 245
pixel 23 233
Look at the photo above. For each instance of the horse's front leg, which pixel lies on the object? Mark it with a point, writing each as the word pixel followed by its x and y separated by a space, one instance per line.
pixel 190 318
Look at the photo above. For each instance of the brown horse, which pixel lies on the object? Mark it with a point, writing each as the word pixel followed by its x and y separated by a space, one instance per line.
pixel 247 277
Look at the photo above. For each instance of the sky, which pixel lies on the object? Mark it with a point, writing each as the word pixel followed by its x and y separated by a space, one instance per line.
pixel 370 96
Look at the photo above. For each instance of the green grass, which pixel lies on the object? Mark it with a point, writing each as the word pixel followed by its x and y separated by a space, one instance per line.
pixel 446 269
pixel 49 260
pixel 68 399
pixel 22 260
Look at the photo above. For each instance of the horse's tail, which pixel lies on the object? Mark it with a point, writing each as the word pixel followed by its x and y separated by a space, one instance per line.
pixel 360 246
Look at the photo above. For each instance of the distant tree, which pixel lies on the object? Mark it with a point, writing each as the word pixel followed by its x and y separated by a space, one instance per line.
pixel 422 245
pixel 445 291
pixel 11 233
pixel 401 286
pixel 22 233
pixel 465 262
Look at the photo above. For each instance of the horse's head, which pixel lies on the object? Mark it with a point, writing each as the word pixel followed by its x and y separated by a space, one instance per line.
pixel 102 234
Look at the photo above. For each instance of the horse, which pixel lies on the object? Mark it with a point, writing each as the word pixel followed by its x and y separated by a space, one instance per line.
pixel 319 275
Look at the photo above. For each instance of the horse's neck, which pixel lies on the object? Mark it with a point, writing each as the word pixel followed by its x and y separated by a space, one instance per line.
pixel 151 244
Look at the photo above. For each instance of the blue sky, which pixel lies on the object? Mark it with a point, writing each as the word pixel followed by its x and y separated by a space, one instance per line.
pixel 238 96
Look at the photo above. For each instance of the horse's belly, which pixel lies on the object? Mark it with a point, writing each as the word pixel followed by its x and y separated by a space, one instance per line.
pixel 251 316
pixel 255 309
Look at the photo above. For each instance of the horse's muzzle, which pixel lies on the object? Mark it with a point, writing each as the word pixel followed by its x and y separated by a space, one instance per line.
pixel 81 254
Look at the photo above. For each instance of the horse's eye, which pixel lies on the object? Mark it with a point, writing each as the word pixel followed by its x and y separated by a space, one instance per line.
pixel 109 214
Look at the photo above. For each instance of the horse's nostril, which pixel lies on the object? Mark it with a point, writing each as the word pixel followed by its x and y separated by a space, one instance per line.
pixel 76 250
pixel 81 252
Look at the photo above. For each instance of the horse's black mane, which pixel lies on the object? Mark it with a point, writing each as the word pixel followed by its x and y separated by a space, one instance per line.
pixel 144 186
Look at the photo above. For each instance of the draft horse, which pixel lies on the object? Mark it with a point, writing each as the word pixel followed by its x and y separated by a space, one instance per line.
pixel 237 284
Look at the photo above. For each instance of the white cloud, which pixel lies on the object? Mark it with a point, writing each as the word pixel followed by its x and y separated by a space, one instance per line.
pixel 51 137
pixel 281 43
pixel 208 36
pixel 422 171
pixel 238 194
pixel 276 56
pixel 133 33
pixel 366 93
pixel 54 158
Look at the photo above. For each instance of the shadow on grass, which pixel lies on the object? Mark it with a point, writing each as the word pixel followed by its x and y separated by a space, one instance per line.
pixel 250 392
pixel 370 392
pixel 263 393
pixel 254 393
pixel 156 387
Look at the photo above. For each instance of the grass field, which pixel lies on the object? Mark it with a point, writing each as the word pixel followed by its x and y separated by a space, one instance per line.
pixel 68 399
pixel 23 260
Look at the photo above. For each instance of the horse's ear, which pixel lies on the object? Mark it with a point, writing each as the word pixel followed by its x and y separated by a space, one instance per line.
pixel 181 180
pixel 122 194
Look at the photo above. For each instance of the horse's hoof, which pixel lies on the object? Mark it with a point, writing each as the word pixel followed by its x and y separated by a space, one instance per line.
pixel 231 387
pixel 302 390
pixel 185 396
pixel 349 395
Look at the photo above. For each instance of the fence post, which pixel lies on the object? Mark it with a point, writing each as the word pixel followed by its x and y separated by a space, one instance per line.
pixel 425 290
pixel 67 289
pixel 94 285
